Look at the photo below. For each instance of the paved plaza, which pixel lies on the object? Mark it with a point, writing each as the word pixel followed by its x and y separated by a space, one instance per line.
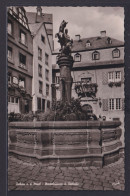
pixel 29 176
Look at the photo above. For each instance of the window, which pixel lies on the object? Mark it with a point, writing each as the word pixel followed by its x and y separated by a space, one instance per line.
pixel 86 80
pixel 40 70
pixel 43 105
pixel 47 90
pixel 9 53
pixel 13 99
pixel 38 103
pixel 43 39
pixel 40 87
pixel 10 27
pixel 48 104
pixel 22 60
pixel 23 37
pixel 47 74
pixel 57 79
pixel 116 53
pixel 39 54
pixel 95 55
pixel 114 76
pixel 9 78
pixel 117 76
pixel 88 44
pixel 46 59
pixel 111 76
pixel 109 41
pixel 77 57
pixel 9 99
pixel 115 104
pixel 21 82
pixel 111 104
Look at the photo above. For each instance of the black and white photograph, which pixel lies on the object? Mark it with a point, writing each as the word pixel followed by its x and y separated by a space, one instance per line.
pixel 66 128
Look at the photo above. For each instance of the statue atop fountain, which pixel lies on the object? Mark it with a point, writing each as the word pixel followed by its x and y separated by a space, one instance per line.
pixel 65 62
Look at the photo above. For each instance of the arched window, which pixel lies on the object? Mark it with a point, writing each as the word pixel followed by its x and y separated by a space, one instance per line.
pixel 77 57
pixel 116 53
pixel 95 55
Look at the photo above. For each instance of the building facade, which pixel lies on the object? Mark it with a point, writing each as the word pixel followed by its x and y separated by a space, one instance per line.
pixel 42 31
pixel 98 76
pixel 20 61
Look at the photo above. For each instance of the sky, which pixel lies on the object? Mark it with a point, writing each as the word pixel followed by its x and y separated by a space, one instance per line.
pixel 87 21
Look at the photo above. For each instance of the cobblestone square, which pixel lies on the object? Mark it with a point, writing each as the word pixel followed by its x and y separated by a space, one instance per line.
pixel 27 176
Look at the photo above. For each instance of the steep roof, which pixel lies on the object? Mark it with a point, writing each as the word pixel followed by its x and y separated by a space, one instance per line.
pixel 46 18
pixel 96 43
pixel 34 28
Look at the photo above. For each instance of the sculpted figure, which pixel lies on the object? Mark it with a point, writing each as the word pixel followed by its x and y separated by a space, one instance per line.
pixel 64 39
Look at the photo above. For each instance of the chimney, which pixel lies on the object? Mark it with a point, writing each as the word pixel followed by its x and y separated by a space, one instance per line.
pixel 38 14
pixel 77 37
pixel 103 33
pixel 39 11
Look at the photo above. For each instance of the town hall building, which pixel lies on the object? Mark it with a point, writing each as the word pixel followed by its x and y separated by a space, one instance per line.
pixel 98 75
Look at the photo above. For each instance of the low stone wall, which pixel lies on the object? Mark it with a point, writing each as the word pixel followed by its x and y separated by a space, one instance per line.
pixel 94 143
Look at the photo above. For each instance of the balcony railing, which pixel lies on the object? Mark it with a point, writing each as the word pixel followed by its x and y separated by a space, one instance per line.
pixel 86 89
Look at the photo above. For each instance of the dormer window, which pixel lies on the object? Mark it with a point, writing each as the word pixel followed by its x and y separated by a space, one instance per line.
pixel 95 55
pixel 109 41
pixel 77 57
pixel 88 44
pixel 116 53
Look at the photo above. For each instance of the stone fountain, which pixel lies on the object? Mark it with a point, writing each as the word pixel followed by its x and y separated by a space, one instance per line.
pixel 88 143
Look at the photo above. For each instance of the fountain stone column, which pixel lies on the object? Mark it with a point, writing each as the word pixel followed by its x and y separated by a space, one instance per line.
pixel 65 63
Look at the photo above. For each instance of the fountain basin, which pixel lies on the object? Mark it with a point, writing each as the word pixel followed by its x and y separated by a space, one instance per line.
pixel 91 143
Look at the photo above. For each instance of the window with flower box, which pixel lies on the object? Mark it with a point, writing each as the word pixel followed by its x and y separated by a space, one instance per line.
pixel 114 78
pixel 21 82
pixel 22 61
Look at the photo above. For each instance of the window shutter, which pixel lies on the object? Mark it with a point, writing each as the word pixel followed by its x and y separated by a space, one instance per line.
pixel 123 104
pixel 104 78
pixel 105 104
